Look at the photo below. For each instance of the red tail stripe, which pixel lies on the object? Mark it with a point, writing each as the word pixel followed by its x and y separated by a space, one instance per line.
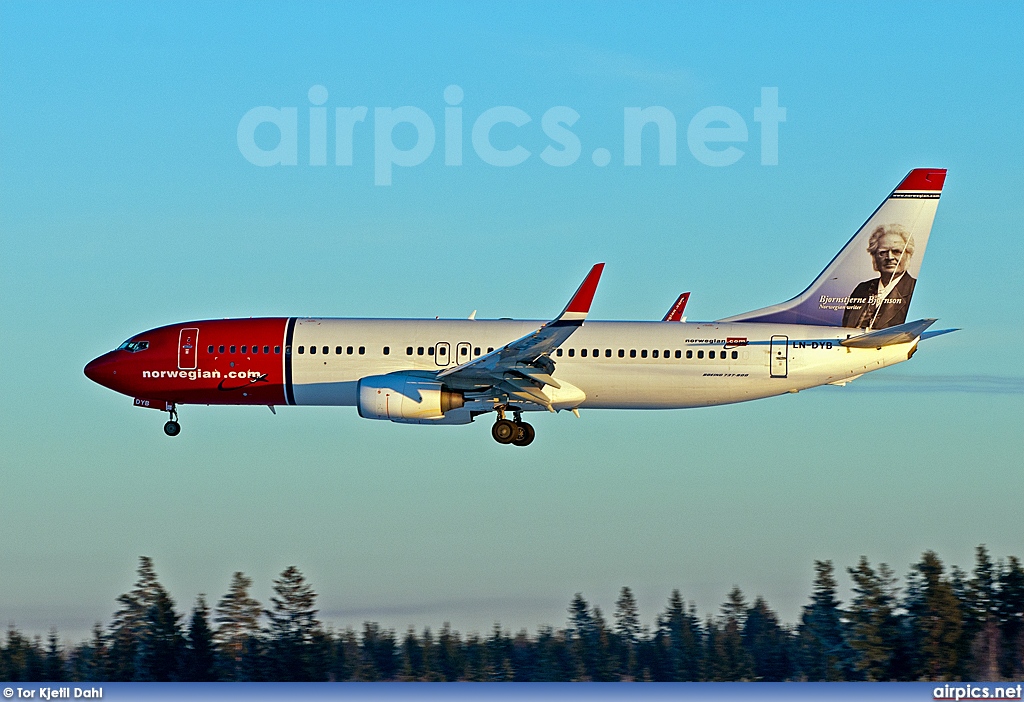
pixel 924 179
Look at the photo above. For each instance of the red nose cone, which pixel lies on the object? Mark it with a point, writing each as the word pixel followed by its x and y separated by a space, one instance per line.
pixel 102 370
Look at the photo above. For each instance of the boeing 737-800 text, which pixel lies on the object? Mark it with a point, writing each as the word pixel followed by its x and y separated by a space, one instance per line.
pixel 849 321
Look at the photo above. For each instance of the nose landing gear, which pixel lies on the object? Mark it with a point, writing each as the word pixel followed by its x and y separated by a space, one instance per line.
pixel 507 431
pixel 172 428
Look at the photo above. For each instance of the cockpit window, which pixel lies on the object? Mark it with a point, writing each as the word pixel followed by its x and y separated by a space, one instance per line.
pixel 133 346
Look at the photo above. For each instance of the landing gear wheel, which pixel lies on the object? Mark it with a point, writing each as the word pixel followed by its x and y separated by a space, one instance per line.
pixel 172 428
pixel 525 435
pixel 505 431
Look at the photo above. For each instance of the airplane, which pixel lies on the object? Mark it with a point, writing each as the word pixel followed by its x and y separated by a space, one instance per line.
pixel 849 321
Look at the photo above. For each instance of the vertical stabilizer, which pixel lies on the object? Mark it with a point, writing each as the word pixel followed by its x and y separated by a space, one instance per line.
pixel 869 284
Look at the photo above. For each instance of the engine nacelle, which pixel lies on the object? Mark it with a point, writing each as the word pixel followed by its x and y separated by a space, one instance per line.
pixel 403 397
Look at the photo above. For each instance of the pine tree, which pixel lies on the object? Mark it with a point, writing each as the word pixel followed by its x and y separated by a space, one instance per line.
pixel 581 637
pixel 91 661
pixel 981 617
pixel 161 644
pixel 292 629
pixel 732 662
pixel 145 636
pixel 199 664
pixel 874 627
pixel 53 665
pixel 825 654
pixel 681 632
pixel 627 632
pixel 768 644
pixel 450 660
pixel 1011 616
pixel 935 620
pixel 238 632
pixel 128 623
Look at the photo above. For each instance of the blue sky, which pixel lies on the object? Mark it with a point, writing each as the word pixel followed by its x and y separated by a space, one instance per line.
pixel 125 203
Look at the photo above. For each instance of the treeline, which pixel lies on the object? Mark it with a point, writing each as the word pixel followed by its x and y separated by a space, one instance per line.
pixel 938 625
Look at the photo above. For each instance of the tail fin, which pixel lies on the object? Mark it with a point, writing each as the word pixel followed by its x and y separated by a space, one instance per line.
pixel 870 282
pixel 678 308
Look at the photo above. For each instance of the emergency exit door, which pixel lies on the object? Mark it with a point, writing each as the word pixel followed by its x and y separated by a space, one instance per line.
pixel 779 356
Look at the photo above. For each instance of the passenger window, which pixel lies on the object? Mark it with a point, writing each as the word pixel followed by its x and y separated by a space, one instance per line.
pixel 326 350
pixel 443 351
pixel 689 354
pixel 312 349
pixel 408 350
pixel 419 350
pixel 654 353
pixel 558 352
pixel 607 353
pixel 337 350
pixel 632 353
pixel 622 353
pixel 255 349
pixel 220 349
pixel 387 350
pixel 266 349
pixel 700 354
pixel 583 353
pixel 735 354
pixel 679 354
pixel 244 348
pixel 643 353
pixel 348 350
pixel 711 354
pixel 572 352
pixel 489 349
pixel 302 349
pixel 233 349
pixel 667 354
pixel 362 350
pixel 597 352
pixel 430 350
pixel 476 351
pixel 277 349
pixel 210 349
pixel 464 351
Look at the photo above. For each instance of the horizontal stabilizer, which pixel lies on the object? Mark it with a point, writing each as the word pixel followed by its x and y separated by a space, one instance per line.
pixel 936 332
pixel 900 334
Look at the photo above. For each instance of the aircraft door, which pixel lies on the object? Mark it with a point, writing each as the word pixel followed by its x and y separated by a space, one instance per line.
pixel 779 356
pixel 188 348
pixel 441 353
pixel 463 353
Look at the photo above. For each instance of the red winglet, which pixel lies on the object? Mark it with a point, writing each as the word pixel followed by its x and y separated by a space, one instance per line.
pixel 675 313
pixel 580 302
pixel 926 179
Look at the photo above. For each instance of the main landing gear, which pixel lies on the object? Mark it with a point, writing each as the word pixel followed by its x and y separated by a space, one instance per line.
pixel 507 431
pixel 172 428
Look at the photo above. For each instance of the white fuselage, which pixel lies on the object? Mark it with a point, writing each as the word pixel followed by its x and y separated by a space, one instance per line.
pixel 627 365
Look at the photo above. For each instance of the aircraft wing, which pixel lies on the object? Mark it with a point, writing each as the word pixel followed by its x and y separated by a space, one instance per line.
pixel 521 367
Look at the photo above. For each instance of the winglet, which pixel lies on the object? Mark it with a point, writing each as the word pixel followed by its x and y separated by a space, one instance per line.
pixel 675 313
pixel 576 311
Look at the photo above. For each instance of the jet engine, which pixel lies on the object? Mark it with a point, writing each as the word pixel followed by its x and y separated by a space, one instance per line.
pixel 404 397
